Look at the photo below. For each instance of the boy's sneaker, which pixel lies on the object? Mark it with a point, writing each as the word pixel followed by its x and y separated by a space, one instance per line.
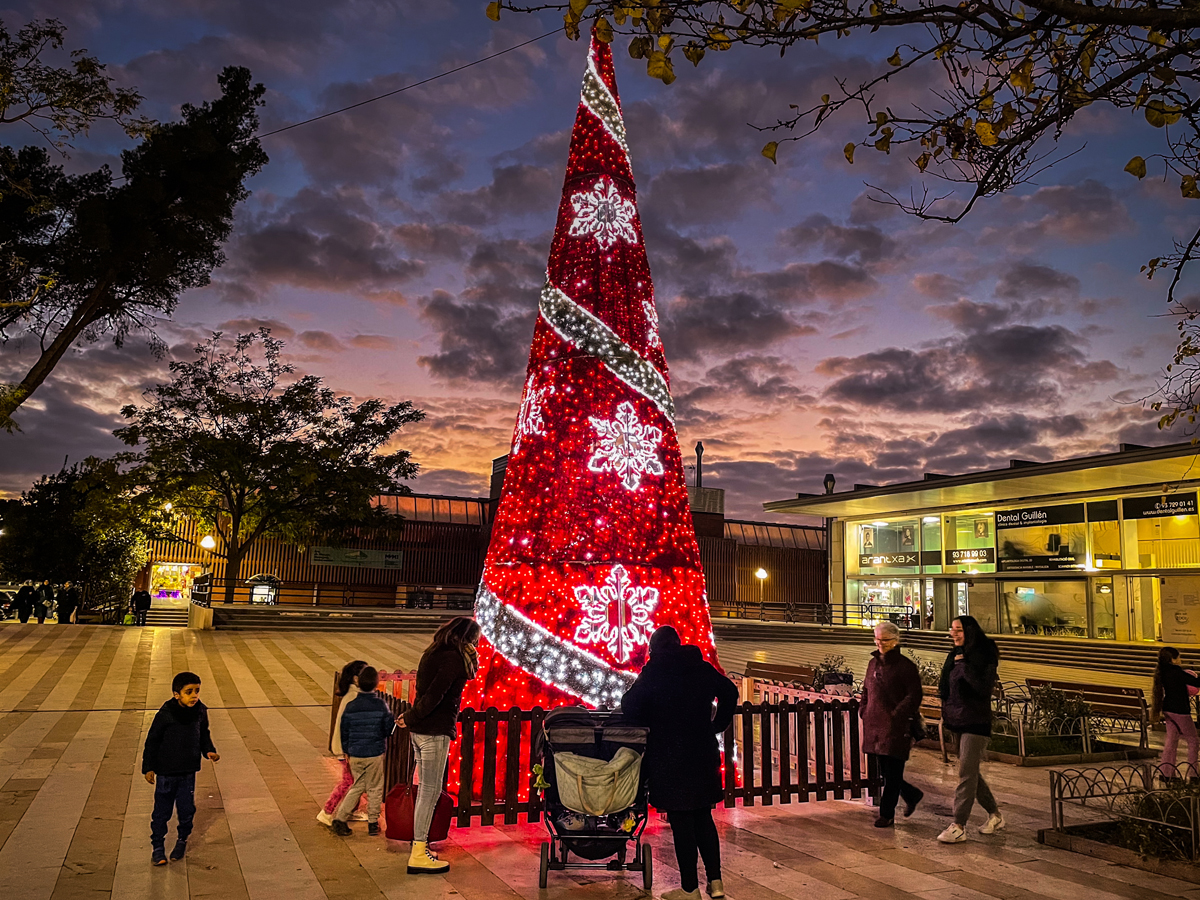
pixel 341 829
pixel 179 851
pixel 954 834
pixel 358 815
pixel 994 823
pixel 158 857
pixel 325 818
pixel 373 828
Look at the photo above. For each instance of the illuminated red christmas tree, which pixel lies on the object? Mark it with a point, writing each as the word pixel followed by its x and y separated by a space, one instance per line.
pixel 592 547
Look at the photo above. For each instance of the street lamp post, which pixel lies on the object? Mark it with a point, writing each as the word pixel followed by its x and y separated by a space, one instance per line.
pixel 761 574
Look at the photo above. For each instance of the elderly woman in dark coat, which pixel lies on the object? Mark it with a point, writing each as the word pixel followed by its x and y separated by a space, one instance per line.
pixel 891 699
pixel 673 696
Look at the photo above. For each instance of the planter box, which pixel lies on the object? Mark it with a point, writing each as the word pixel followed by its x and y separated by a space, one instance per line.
pixel 1074 839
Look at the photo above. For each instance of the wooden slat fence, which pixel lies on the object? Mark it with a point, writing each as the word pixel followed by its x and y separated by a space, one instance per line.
pixel 794 745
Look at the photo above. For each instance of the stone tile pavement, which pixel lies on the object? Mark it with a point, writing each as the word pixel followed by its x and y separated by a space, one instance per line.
pixel 75 702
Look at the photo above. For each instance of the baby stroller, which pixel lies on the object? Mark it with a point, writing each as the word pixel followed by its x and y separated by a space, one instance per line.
pixel 597 831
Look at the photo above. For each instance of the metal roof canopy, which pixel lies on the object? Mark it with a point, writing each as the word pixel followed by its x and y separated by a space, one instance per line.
pixel 1142 469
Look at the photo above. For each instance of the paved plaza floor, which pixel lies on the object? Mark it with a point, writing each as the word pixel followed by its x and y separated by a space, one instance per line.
pixel 75 702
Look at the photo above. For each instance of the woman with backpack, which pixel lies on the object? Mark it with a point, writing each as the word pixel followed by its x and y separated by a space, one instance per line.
pixel 968 679
pixel 450 661
pixel 1171 702
pixel 345 691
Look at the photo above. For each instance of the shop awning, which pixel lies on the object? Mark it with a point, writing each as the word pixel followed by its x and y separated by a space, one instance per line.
pixel 1131 470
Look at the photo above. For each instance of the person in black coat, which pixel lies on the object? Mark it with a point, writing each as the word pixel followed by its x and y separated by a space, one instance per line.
pixel 1172 704
pixel 890 703
pixel 26 597
pixel 140 604
pixel 673 696
pixel 968 679
pixel 68 603
pixel 177 740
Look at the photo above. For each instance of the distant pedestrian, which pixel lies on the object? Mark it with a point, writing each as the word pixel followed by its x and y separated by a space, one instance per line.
pixel 1172 704
pixel 26 597
pixel 968 679
pixel 891 701
pixel 68 603
pixel 674 697
pixel 177 740
pixel 366 724
pixel 139 605
pixel 346 690
pixel 45 602
pixel 448 663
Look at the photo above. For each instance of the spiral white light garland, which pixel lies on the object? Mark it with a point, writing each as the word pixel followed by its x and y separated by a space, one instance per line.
pixel 603 105
pixel 577 326
pixel 548 658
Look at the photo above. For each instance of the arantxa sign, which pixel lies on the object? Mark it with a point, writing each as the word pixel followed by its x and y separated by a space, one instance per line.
pixel 868 560
pixel 1161 505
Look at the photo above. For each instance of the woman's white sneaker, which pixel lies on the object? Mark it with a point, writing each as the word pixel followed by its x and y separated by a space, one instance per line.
pixel 954 834
pixel 994 823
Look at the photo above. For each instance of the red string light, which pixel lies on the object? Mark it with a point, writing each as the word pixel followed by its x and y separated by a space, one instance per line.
pixel 592 547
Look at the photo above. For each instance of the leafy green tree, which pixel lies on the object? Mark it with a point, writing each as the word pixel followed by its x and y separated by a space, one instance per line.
pixel 72 526
pixel 1009 77
pixel 236 444
pixel 58 103
pixel 116 256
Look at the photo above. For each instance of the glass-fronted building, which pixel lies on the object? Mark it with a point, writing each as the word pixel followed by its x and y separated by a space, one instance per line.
pixel 1103 548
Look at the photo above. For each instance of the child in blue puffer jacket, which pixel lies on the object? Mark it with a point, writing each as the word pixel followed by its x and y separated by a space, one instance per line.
pixel 366 724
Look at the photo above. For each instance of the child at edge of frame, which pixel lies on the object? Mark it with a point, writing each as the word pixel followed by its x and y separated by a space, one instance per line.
pixel 177 741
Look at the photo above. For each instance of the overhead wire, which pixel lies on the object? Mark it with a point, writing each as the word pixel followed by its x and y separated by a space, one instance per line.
pixel 408 87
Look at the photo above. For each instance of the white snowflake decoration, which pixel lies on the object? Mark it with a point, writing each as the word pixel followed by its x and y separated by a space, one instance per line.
pixel 651 311
pixel 604 214
pixel 529 420
pixel 616 614
pixel 627 447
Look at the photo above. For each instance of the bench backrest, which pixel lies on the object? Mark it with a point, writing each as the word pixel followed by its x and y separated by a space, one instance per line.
pixel 777 672
pixel 1104 698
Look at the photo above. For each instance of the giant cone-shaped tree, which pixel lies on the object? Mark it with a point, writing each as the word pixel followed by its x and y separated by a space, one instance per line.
pixel 592 548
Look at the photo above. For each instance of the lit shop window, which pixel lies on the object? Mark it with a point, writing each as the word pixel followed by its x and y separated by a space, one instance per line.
pixel 1161 531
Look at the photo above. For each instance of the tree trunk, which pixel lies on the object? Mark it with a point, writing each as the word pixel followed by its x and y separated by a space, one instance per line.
pixel 87 313
pixel 233 568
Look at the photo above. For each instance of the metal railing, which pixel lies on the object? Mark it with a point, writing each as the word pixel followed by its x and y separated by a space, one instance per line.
pixel 1157 798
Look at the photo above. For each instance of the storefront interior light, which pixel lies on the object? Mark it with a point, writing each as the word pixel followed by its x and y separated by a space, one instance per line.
pixel 879 524
pixel 930 520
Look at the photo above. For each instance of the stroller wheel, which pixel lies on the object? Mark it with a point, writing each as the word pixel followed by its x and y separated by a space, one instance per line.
pixel 544 874
pixel 647 868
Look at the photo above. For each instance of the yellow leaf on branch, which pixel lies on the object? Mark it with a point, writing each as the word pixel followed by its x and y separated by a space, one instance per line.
pixel 1136 167
pixel 769 150
pixel 848 151
pixel 1161 114
pixel 493 11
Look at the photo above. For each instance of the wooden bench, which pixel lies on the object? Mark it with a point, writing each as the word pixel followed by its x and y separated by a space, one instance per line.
pixel 1112 705
pixel 797 677
pixel 931 712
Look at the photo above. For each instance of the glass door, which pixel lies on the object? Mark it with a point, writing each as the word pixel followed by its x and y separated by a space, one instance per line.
pixel 1144 594
pixel 978 599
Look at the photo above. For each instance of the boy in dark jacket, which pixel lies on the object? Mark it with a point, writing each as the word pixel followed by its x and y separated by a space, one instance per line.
pixel 177 740
pixel 366 724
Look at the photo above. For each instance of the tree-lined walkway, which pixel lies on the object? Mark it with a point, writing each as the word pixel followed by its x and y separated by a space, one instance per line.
pixel 74 809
